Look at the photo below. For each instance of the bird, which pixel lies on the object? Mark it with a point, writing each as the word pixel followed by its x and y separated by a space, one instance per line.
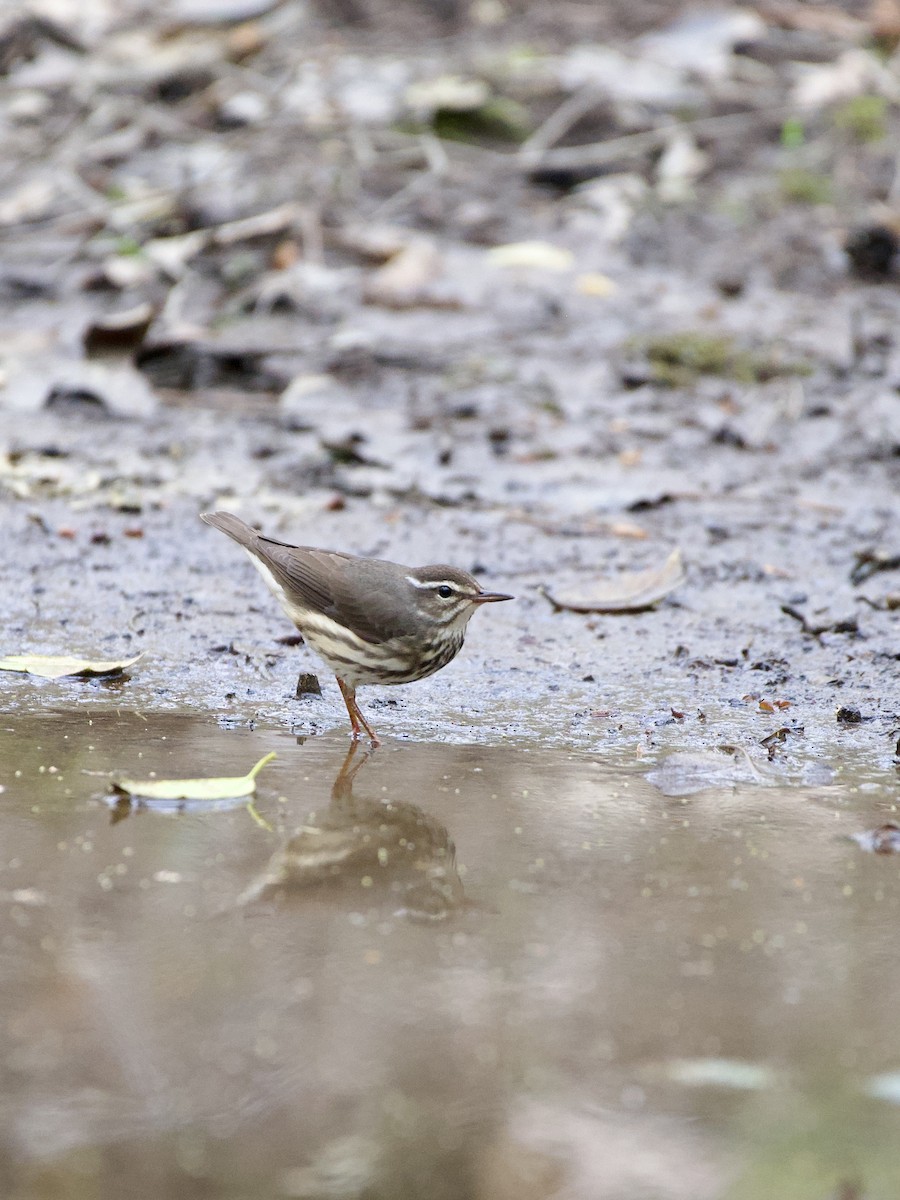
pixel 369 620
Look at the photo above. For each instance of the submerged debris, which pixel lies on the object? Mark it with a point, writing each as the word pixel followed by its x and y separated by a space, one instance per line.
pixel 883 840
pixel 686 772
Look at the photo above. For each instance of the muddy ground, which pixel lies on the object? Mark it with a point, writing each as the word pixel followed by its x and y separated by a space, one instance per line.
pixel 364 369
pixel 549 292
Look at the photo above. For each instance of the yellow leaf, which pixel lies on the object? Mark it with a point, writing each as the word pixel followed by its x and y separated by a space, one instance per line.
pixel 593 284
pixel 55 666
pixel 222 788
pixel 543 256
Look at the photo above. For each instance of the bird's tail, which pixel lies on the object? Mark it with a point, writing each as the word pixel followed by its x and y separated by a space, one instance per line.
pixel 234 527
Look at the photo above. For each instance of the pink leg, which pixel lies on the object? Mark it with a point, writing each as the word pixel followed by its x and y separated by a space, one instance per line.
pixel 357 720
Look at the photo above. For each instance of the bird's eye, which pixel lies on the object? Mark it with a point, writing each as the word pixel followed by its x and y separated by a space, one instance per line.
pixel 445 592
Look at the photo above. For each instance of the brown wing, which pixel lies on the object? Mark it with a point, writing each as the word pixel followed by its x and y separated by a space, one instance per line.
pixel 366 595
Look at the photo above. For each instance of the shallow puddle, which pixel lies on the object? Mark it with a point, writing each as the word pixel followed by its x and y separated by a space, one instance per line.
pixel 602 993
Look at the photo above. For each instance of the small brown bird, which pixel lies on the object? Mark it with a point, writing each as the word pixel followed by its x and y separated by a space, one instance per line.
pixel 370 620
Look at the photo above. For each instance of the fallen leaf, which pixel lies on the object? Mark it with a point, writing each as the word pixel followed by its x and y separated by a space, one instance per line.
pixel 884 1087
pixel 221 788
pixel 593 284
pixel 686 772
pixel 449 93
pixel 29 202
pixel 405 278
pixel 120 391
pixel 627 529
pixel 680 165
pixel 720 1072
pixel 632 591
pixel 172 255
pixel 377 243
pixel 541 255
pixel 118 332
pixel 778 737
pixel 56 666
pixel 855 72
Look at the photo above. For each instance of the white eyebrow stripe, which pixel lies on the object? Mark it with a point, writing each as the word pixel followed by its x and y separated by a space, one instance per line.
pixel 433 583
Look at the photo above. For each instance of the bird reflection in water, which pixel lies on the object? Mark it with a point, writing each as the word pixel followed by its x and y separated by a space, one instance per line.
pixel 392 851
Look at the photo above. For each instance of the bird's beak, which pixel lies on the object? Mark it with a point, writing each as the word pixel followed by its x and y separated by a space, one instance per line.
pixel 490 597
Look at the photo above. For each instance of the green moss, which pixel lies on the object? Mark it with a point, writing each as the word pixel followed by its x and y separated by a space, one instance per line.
pixel 128 247
pixel 863 118
pixel 793 133
pixel 802 186
pixel 678 359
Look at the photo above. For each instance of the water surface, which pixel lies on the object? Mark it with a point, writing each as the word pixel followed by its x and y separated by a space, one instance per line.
pixel 463 972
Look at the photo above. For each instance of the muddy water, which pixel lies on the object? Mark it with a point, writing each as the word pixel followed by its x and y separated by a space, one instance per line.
pixel 601 993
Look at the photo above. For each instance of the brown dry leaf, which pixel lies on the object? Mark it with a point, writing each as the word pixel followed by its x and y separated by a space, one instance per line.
pixel 56 666
pixel 884 19
pixel 632 591
pixel 627 529
pixel 827 19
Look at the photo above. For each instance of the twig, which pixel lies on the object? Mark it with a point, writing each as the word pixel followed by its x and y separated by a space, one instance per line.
pixel 598 153
pixel 847 625
pixel 311 233
pixel 437 163
pixel 560 121
pixel 265 224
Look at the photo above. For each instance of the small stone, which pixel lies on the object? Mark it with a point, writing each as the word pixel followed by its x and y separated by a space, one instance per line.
pixel 308 685
pixel 849 714
pixel 731 283
pixel 872 251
